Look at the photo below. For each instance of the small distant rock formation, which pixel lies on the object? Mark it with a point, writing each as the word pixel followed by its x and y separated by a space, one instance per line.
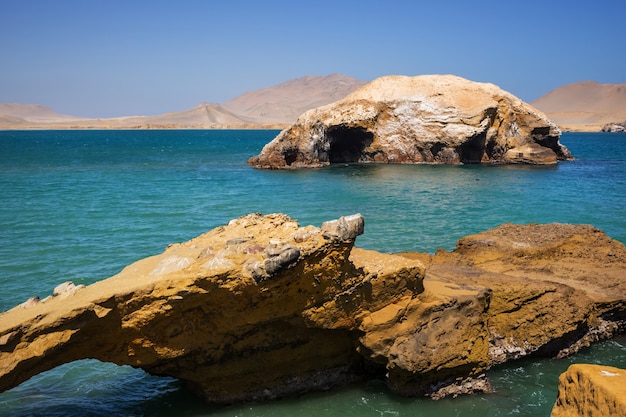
pixel 614 127
pixel 591 391
pixel 262 308
pixel 424 119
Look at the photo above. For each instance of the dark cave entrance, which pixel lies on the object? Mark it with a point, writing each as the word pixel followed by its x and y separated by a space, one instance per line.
pixel 347 143
pixel 472 151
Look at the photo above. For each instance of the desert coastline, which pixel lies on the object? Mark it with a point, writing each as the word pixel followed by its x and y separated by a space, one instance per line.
pixel 7 123
pixel 112 124
pixel 585 106
pixel 452 121
pixel 312 209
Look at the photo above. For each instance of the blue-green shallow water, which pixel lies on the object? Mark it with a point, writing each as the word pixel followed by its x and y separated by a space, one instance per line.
pixel 80 205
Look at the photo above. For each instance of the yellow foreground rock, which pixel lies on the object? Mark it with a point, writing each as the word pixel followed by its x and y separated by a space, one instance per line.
pixel 262 308
pixel 591 391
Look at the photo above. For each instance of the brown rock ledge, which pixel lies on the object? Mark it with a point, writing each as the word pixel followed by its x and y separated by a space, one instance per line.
pixel 262 308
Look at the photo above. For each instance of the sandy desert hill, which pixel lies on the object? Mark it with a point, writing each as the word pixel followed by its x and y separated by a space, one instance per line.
pixel 271 107
pixel 32 112
pixel 583 106
pixel 586 105
pixel 201 115
pixel 26 116
pixel 284 103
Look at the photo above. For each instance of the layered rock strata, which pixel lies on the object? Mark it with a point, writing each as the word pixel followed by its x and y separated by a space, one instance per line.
pixel 591 391
pixel 431 118
pixel 261 308
pixel 554 288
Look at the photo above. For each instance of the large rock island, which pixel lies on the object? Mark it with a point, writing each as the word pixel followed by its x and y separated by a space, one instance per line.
pixel 262 307
pixel 423 119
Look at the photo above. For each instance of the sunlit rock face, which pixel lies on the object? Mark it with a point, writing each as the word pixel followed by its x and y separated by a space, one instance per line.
pixel 554 288
pixel 425 119
pixel 591 391
pixel 262 307
pixel 255 309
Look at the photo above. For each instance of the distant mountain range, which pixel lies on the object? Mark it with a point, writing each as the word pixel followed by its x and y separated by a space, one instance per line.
pixel 585 105
pixel 272 107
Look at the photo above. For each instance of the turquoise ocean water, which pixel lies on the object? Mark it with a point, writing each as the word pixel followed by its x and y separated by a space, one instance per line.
pixel 80 205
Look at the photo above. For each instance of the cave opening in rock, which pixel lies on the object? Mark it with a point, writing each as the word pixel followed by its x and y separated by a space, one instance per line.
pixel 347 144
pixel 291 156
pixel 472 151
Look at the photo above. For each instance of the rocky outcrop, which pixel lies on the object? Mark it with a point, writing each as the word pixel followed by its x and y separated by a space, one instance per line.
pixel 614 127
pixel 258 308
pixel 261 308
pixel 554 288
pixel 591 391
pixel 431 118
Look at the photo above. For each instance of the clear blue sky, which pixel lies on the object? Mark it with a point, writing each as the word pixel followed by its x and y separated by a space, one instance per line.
pixel 112 58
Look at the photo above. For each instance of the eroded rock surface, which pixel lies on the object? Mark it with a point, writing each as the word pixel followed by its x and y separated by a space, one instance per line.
pixel 256 309
pixel 430 118
pixel 261 308
pixel 554 288
pixel 591 391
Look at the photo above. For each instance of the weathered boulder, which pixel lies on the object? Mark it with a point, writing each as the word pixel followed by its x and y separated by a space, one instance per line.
pixel 261 308
pixel 430 118
pixel 614 127
pixel 555 288
pixel 591 391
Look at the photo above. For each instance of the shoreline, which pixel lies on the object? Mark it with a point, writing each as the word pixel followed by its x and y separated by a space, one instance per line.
pixel 579 128
pixel 147 126
pixel 586 128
